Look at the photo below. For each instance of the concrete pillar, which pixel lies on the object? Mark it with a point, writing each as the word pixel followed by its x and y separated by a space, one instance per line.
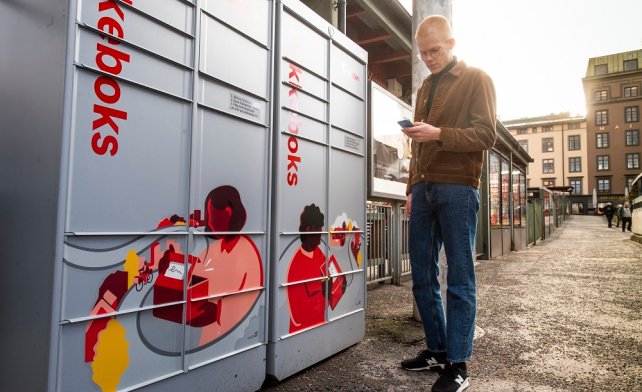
pixel 421 9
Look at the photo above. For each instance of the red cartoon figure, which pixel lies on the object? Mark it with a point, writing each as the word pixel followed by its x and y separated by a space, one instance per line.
pixel 224 281
pixel 231 264
pixel 307 300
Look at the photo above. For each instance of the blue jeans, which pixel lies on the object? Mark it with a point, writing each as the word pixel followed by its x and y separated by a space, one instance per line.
pixel 445 214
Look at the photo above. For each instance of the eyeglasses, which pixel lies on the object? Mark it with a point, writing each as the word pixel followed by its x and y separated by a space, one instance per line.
pixel 432 52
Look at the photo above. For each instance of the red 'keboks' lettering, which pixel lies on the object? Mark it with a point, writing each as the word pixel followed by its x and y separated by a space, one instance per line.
pixel 109 59
pixel 294 126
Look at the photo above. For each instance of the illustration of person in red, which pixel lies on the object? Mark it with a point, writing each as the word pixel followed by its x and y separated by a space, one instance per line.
pixel 225 280
pixel 230 264
pixel 307 300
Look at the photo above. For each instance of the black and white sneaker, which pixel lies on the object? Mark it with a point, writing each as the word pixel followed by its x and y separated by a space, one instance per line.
pixel 426 360
pixel 453 379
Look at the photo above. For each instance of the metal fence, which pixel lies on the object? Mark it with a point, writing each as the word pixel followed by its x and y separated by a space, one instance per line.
pixel 387 239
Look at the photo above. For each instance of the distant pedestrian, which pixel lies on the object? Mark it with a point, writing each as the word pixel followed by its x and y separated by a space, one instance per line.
pixel 617 215
pixel 625 216
pixel 608 212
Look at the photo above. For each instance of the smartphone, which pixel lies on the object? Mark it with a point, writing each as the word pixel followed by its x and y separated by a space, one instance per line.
pixel 406 123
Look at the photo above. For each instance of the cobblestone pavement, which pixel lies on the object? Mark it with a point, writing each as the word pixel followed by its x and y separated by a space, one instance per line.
pixel 563 315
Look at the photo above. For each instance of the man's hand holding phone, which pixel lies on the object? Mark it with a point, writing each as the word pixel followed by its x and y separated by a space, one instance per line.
pixel 405 123
pixel 422 132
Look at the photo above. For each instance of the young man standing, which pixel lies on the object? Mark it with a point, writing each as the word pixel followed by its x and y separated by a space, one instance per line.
pixel 454 123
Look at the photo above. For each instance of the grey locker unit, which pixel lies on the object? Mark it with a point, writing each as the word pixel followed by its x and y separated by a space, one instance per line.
pixel 147 177
pixel 317 286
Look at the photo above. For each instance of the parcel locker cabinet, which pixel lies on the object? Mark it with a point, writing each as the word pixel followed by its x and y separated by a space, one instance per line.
pixel 317 285
pixel 150 269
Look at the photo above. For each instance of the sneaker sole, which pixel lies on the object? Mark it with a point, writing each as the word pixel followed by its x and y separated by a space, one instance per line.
pixel 463 386
pixel 433 368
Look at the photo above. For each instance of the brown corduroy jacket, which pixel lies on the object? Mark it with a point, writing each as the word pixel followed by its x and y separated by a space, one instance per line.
pixel 464 109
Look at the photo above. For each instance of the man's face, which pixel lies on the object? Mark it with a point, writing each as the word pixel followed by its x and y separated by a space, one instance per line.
pixel 435 52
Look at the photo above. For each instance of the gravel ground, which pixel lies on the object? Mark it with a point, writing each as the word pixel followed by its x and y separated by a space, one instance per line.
pixel 563 315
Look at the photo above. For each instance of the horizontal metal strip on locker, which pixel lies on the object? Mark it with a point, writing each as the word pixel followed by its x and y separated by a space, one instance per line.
pixel 302 90
pixel 352 272
pixel 346 315
pixel 133 45
pixel 347 151
pixel 228 232
pixel 296 14
pixel 318 279
pixel 120 313
pixel 348 131
pixel 239 32
pixel 132 82
pixel 124 233
pixel 231 86
pixel 235 116
pixel 305 138
pixel 319 232
pixel 298 88
pixel 304 115
pixel 304 68
pixel 227 355
pixel 348 92
pixel 227 294
pixel 155 19
pixel 188 2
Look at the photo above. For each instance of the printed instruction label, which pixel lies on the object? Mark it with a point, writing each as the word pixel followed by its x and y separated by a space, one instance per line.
pixel 352 143
pixel 244 106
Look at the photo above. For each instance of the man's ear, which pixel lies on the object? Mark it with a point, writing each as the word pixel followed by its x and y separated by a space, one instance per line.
pixel 451 43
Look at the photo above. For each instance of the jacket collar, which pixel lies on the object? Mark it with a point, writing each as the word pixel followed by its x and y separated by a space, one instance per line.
pixel 454 70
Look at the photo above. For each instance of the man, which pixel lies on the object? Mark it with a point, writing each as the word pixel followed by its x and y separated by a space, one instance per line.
pixel 625 216
pixel 618 212
pixel 609 210
pixel 454 123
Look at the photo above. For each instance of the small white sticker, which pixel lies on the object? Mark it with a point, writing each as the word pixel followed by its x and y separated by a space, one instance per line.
pixel 333 268
pixel 175 271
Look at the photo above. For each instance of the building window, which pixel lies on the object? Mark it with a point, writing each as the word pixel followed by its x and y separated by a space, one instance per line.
pixel 534 130
pixel 547 144
pixel 548 182
pixel 547 128
pixel 574 126
pixel 629 182
pixel 574 142
pixel 633 137
pixel 631 114
pixel 603 184
pixel 633 161
pixel 601 95
pixel 575 164
pixel 631 91
pixel 522 131
pixel 576 184
pixel 602 140
pixel 548 166
pixel 523 144
pixel 630 65
pixel 602 162
pixel 600 69
pixel 601 117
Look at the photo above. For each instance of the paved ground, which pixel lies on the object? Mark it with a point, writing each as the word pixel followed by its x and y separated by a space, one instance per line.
pixel 564 315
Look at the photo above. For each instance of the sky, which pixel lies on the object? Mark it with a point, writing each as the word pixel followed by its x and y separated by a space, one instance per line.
pixel 537 51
